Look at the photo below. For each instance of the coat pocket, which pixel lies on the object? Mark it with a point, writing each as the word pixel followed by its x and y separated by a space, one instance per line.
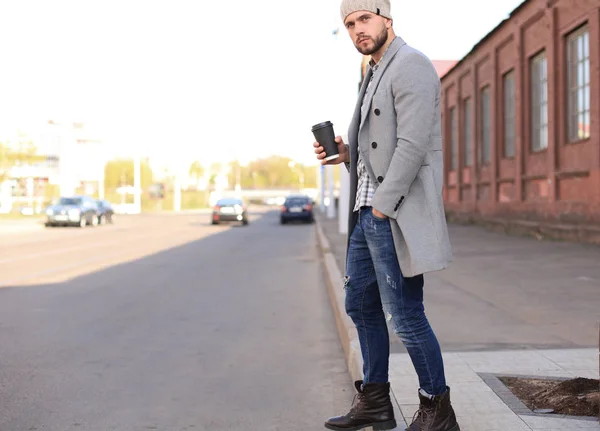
pixel 417 222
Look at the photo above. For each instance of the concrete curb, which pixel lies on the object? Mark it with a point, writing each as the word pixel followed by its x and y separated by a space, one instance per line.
pixel 345 326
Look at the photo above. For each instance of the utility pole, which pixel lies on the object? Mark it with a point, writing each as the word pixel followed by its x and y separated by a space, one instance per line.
pixel 330 192
pixel 321 176
pixel 238 178
pixel 176 192
pixel 101 181
pixel 137 183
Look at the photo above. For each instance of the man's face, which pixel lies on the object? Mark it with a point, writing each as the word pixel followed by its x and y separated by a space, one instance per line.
pixel 368 31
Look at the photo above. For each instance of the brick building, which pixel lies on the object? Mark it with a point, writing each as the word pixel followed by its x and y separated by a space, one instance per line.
pixel 521 115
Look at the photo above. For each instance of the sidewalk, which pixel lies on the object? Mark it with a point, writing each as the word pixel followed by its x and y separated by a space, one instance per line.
pixel 506 306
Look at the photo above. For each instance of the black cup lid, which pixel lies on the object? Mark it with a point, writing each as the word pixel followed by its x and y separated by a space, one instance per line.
pixel 321 125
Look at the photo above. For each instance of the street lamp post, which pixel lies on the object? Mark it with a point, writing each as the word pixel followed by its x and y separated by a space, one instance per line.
pixel 331 210
pixel 238 178
pixel 176 192
pixel 137 186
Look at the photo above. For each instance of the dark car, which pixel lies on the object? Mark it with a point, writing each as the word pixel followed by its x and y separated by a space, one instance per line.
pixel 73 211
pixel 230 210
pixel 106 213
pixel 298 207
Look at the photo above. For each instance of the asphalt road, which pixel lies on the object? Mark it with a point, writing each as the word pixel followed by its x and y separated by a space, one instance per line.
pixel 167 323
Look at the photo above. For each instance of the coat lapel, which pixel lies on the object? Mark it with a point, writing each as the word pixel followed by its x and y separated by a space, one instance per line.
pixel 356 118
pixel 385 61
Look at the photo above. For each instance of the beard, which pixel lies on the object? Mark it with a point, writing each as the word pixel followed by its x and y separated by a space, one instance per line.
pixel 378 42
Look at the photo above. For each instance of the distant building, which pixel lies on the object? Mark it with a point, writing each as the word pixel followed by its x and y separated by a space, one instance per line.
pixel 522 117
pixel 65 158
pixel 443 66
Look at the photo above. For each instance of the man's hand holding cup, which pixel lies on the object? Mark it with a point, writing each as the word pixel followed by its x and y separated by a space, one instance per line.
pixel 344 155
pixel 330 150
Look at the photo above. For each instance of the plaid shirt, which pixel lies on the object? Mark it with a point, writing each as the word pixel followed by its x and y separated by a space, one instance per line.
pixel 365 187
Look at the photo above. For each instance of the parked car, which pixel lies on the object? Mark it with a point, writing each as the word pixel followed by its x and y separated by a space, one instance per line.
pixel 73 211
pixel 230 210
pixel 106 213
pixel 297 207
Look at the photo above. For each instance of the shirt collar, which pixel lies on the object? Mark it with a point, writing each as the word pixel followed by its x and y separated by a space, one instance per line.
pixel 374 66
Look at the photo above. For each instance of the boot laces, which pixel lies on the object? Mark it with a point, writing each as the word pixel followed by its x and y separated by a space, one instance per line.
pixel 423 416
pixel 357 401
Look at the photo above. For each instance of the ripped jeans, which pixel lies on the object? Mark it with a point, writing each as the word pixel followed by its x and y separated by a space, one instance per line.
pixel 376 293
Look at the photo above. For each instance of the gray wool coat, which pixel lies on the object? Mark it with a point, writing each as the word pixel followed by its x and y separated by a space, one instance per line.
pixel 400 140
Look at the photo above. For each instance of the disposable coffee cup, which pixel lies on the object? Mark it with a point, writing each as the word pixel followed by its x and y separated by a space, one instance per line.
pixel 326 137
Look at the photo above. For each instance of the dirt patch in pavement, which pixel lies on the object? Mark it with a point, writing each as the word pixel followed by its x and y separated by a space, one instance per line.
pixel 575 397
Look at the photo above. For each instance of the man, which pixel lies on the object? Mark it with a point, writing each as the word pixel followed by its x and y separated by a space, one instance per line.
pixel 397 226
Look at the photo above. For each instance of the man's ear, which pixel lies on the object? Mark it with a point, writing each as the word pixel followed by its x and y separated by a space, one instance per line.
pixel 389 23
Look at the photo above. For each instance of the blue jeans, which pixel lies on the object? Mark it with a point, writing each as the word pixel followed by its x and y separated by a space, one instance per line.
pixel 377 292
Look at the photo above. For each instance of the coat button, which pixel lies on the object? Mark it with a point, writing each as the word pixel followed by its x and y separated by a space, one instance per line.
pixel 380 179
pixel 374 145
pixel 377 112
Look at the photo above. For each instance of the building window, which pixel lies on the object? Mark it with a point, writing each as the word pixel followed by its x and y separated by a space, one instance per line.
pixel 508 86
pixel 468 133
pixel 484 154
pixel 578 63
pixel 453 141
pixel 539 102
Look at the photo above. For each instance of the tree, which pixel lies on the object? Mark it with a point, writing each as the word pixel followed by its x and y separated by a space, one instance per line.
pixel 119 173
pixel 216 168
pixel 272 172
pixel 214 171
pixel 196 170
pixel 310 175
pixel 4 162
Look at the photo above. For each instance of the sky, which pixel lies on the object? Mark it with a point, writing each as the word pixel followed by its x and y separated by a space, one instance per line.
pixel 184 80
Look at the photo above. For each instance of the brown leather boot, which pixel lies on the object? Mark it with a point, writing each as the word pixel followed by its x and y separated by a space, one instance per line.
pixel 435 414
pixel 373 409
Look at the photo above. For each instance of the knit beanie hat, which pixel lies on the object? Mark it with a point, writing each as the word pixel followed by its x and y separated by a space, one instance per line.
pixel 379 7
